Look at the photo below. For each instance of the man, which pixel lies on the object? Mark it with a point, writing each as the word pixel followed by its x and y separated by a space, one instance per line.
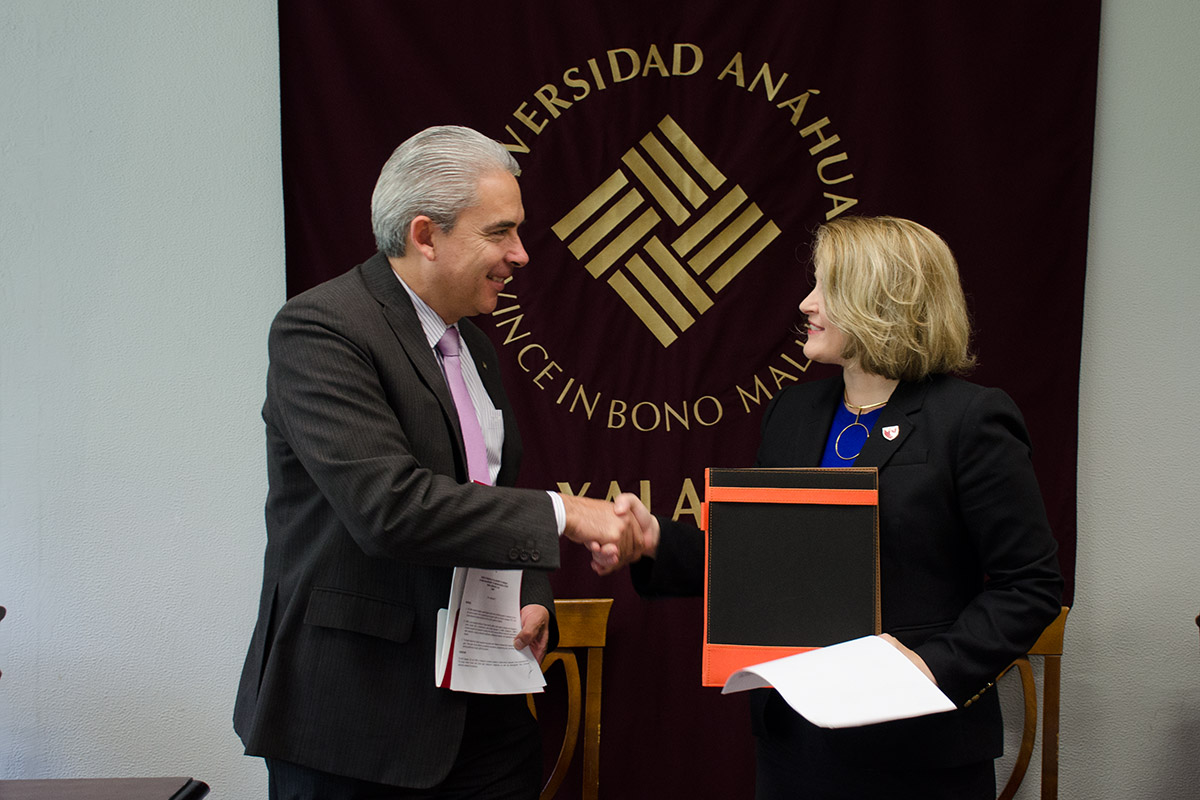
pixel 374 456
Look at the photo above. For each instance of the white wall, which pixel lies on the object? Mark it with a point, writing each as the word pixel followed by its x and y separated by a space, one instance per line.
pixel 1131 715
pixel 141 258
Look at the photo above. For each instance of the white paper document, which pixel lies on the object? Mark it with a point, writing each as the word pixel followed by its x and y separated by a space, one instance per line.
pixel 859 682
pixel 475 635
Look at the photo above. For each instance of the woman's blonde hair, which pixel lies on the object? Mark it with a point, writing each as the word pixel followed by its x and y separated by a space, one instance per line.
pixel 892 287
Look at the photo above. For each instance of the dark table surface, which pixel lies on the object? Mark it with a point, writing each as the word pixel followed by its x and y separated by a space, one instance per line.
pixel 104 789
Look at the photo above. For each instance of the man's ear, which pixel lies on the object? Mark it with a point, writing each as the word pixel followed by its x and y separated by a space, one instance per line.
pixel 421 232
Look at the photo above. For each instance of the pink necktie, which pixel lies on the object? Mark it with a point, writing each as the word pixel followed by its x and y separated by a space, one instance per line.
pixel 477 462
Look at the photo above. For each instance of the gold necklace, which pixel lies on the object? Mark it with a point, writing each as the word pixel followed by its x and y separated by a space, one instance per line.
pixel 861 409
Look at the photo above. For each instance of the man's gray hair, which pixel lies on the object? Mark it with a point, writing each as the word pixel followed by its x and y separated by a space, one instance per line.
pixel 436 173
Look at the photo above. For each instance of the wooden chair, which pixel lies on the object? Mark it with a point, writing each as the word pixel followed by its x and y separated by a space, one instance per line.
pixel 1050 647
pixel 582 625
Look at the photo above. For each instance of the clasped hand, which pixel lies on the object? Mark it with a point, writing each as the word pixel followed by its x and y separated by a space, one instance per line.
pixel 615 533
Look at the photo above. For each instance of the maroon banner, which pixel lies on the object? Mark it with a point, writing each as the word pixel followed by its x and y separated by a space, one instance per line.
pixel 676 158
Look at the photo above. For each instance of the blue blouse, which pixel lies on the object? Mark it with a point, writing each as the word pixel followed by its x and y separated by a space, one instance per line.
pixel 853 437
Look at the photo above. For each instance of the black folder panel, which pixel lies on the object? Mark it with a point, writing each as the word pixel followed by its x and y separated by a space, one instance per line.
pixel 792 574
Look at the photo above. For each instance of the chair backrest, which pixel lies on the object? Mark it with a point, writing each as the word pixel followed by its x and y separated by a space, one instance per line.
pixel 582 626
pixel 1050 647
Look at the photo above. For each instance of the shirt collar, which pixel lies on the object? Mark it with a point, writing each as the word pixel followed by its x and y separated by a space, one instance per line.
pixel 431 323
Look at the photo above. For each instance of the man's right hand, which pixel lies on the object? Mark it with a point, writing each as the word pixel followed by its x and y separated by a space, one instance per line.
pixel 608 562
pixel 597 525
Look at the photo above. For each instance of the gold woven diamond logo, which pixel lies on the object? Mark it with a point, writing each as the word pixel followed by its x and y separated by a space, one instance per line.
pixel 718 233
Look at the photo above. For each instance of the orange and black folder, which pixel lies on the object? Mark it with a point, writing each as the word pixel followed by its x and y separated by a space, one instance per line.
pixel 791 563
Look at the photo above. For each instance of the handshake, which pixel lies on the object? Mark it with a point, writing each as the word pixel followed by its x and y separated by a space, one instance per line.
pixel 616 533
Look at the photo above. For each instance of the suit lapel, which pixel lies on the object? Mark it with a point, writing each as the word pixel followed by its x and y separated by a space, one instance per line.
pixel 398 310
pixel 797 424
pixel 813 430
pixel 894 425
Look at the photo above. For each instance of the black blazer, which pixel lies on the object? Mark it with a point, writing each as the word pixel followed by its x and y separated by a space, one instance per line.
pixel 369 508
pixel 968 566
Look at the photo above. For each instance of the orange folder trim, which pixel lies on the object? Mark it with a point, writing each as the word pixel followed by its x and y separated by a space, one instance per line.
pixel 828 497
pixel 722 660
pixel 719 661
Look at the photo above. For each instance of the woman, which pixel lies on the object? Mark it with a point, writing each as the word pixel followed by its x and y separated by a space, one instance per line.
pixel 969 575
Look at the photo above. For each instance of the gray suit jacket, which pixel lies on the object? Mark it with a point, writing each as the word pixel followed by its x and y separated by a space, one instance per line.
pixel 368 510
